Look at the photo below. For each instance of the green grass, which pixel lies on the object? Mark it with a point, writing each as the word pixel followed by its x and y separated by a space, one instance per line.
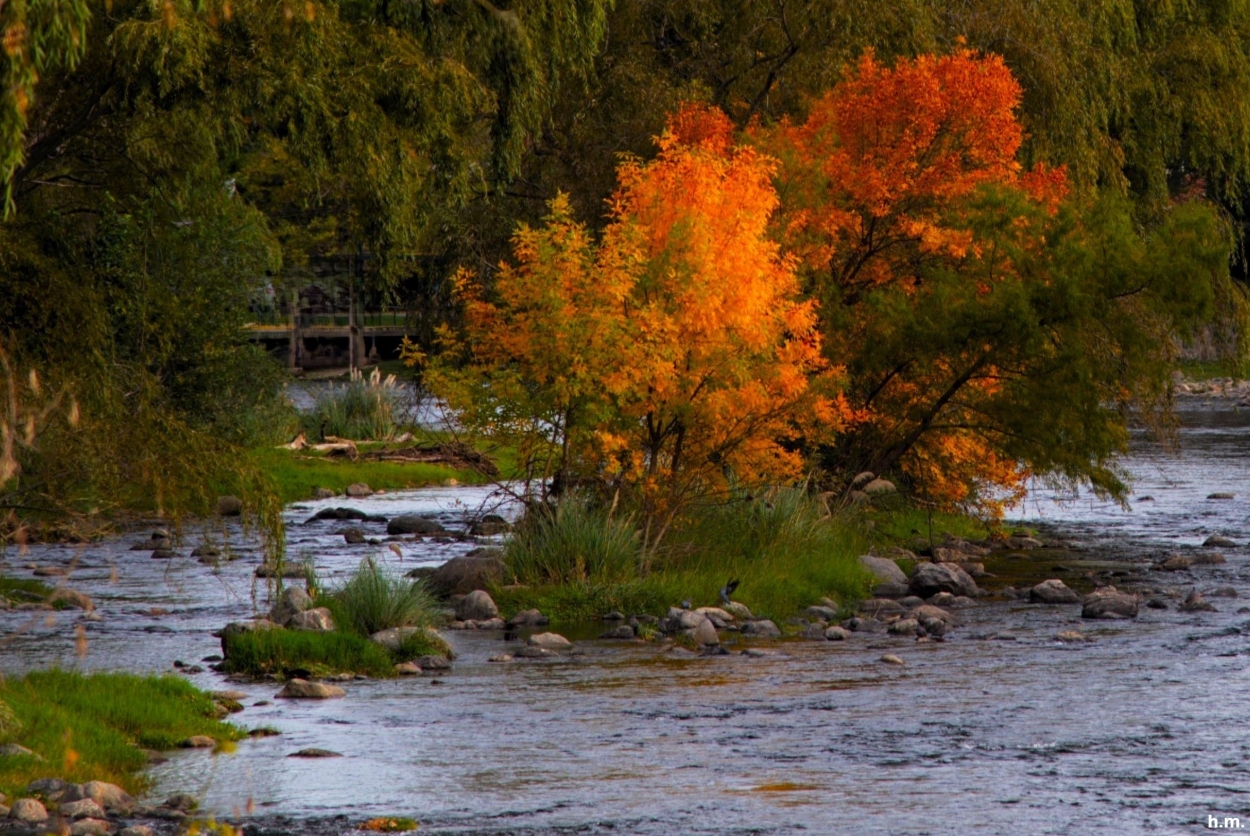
pixel 362 407
pixel 573 544
pixel 297 474
pixel 374 599
pixel 282 652
pixel 20 590
pixel 95 726
pixel 1207 369
pixel 895 522
pixel 785 552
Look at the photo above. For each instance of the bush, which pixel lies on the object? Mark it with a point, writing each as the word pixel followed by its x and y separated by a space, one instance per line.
pixel 573 542
pixel 363 408
pixel 374 599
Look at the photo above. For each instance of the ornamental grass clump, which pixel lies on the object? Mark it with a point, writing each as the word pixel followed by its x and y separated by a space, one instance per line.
pixel 573 542
pixel 362 408
pixel 375 599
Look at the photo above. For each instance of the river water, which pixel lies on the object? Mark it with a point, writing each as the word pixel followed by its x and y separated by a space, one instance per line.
pixel 1001 729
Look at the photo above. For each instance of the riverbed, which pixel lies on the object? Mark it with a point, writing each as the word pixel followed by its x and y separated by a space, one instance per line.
pixel 999 729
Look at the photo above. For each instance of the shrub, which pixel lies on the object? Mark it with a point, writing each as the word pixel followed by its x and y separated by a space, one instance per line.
pixel 374 599
pixel 363 408
pixel 573 542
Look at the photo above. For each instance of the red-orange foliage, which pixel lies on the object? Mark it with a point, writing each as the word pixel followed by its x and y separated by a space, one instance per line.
pixel 665 357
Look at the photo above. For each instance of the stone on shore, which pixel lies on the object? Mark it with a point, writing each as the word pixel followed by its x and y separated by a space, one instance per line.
pixel 476 606
pixel 738 611
pixel 549 641
pixel 904 627
pixel 302 689
pixel 881 608
pixel 931 578
pixel 198 741
pixel 1109 603
pixel 90 827
pixel 704 633
pixel 324 493
pixel 529 618
pixel 891 590
pixel 16 750
pixel 229 506
pixel 414 524
pixel 294 600
pixel 1053 591
pixel 28 811
pixel 837 634
pixel 84 808
pixel 317 620
pixel 407 669
pixel 359 490
pixel 393 637
pixel 886 570
pixel 621 631
pixel 761 628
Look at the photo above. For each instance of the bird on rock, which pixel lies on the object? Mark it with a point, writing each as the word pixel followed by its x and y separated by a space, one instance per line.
pixel 727 590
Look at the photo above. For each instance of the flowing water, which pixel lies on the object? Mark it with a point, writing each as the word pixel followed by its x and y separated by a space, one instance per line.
pixel 1000 729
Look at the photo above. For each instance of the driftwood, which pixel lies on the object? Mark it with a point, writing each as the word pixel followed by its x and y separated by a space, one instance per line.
pixel 459 456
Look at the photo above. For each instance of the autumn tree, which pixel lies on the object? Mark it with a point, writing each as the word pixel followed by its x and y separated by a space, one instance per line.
pixel 992 320
pixel 663 359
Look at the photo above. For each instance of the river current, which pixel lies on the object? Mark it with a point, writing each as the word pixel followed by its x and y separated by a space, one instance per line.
pixel 1000 729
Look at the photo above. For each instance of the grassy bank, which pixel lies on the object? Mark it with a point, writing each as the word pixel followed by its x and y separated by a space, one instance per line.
pixel 784 549
pixel 96 726
pixel 296 475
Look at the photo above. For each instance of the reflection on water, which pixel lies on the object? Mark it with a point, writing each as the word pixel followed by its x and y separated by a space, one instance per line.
pixel 1141 731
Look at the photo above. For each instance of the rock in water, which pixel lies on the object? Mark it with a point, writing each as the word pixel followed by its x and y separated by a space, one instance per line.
pixel 1175 563
pixel 476 606
pixel 461 575
pixel 317 620
pixel 71 597
pixel 314 753
pixel 301 689
pixel 529 618
pixel 1195 602
pixel 414 524
pixel 550 641
pixel 1108 602
pixel 1216 541
pixel 622 631
pixel 353 536
pixel 1053 591
pixel 229 506
pixel 837 634
pixel 891 659
pixel 294 600
pixel 931 578
pixel 704 633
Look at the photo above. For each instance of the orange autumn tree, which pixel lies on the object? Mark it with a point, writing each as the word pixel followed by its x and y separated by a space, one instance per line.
pixel 991 323
pixel 663 360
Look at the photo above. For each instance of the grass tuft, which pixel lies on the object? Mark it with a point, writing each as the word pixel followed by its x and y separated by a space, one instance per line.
pixel 362 408
pixel 86 727
pixel 286 653
pixel 573 543
pixel 375 599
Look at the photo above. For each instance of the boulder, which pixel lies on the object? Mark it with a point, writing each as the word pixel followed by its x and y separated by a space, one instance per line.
pixel 317 620
pixel 821 613
pixel 476 606
pixel 1216 541
pixel 929 612
pixel 359 490
pixel 837 634
pixel 886 570
pixel 529 618
pixel 229 506
pixel 302 689
pixel 714 613
pixel 51 789
pixel 1108 602
pixel 324 493
pixel 931 578
pixel 904 627
pixel 1020 542
pixel 489 526
pixel 72 598
pixel 704 633
pixel 461 575
pixel 293 601
pixel 881 608
pixel 738 611
pixel 414 524
pixel 109 796
pixel 890 590
pixel 1175 563
pixel 761 628
pixel 90 827
pixel 550 641
pixel 82 809
pixel 339 514
pixel 1053 591
pixel 942 599
pixel 407 669
pixel 353 537
pixel 28 811
pixel 621 631
pixel 433 663
pixel 393 637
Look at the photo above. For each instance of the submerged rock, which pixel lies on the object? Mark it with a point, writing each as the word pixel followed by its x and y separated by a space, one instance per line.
pixel 1109 603
pixel 314 753
pixel 339 514
pixel 1222 495
pixel 353 537
pixel 489 525
pixel 1217 541
pixel 1053 591
pixel 414 524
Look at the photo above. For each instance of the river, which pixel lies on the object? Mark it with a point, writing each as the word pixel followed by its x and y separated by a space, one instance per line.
pixel 1000 729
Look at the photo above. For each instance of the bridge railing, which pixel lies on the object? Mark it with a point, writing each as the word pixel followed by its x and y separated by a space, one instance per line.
pixel 335 319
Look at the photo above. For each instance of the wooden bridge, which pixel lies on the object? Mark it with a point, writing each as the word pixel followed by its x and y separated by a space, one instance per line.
pixel 329 340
